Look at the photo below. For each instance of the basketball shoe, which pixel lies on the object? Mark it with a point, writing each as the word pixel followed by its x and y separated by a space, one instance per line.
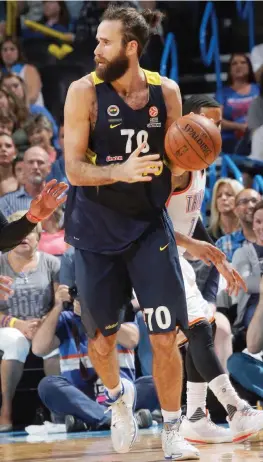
pixel 174 446
pixel 124 427
pixel 245 423
pixel 204 431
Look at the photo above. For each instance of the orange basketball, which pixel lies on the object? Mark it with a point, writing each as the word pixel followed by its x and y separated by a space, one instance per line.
pixel 193 142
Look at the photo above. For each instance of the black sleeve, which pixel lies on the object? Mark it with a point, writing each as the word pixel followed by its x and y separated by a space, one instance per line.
pixel 11 234
pixel 210 290
pixel 201 234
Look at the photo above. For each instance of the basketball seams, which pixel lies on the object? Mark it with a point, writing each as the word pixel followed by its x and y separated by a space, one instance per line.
pixel 204 129
pixel 171 150
pixel 187 141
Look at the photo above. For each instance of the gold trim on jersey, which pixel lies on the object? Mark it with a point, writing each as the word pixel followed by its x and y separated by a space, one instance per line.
pixel 91 156
pixel 152 78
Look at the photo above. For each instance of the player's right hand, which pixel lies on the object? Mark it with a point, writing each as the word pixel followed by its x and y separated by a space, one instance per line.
pixel 206 252
pixel 138 169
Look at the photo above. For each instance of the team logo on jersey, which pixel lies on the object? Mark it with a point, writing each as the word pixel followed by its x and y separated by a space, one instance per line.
pixel 113 110
pixel 153 111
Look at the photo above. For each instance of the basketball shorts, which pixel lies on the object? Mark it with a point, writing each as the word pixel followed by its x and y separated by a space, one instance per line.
pixel 197 307
pixel 150 266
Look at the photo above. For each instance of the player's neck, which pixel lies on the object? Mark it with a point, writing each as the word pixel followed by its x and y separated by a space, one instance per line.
pixel 133 79
pixel 179 183
pixel 228 222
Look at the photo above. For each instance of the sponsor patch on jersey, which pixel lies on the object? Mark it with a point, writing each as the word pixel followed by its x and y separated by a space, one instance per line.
pixel 154 123
pixel 153 111
pixel 113 158
pixel 113 110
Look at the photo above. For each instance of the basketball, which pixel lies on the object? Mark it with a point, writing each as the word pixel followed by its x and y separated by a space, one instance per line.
pixel 193 142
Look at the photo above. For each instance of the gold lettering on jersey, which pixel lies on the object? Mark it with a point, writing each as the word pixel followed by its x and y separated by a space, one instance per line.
pixel 156 173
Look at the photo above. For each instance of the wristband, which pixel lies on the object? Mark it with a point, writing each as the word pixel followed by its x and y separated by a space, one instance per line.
pixel 12 322
pixel 32 217
pixel 5 321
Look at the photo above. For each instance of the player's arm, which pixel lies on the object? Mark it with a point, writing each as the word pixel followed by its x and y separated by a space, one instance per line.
pixel 80 171
pixel 173 101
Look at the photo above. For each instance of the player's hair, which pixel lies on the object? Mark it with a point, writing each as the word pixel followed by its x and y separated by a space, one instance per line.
pixel 215 215
pixel 196 102
pixel 135 25
pixel 258 206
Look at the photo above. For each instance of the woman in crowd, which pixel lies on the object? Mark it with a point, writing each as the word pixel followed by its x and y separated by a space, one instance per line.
pixel 8 181
pixel 223 219
pixel 12 60
pixel 35 276
pixel 235 99
pixel 52 237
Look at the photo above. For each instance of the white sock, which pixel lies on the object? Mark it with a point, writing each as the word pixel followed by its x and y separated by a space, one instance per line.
pixel 115 391
pixel 226 394
pixel 196 399
pixel 171 416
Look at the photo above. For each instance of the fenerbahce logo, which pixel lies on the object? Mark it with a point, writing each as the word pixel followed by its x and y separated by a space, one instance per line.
pixel 113 110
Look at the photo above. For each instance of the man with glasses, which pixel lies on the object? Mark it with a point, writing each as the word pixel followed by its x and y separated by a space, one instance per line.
pixel 245 203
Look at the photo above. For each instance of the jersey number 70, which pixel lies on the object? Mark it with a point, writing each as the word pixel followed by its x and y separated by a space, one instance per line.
pixel 141 137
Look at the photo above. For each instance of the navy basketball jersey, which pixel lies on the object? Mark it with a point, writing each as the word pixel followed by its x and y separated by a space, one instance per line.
pixel 109 218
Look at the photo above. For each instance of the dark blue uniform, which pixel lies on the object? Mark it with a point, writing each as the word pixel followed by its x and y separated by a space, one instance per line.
pixel 121 232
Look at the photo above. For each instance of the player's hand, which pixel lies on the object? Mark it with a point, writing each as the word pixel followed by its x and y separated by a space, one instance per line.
pixel 5 287
pixel 206 252
pixel 48 200
pixel 138 169
pixel 235 282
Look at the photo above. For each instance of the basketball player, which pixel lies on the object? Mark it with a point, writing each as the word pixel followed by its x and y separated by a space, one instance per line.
pixel 116 218
pixel 202 364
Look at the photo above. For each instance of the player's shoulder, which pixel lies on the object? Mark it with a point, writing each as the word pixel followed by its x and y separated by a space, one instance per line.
pixel 83 87
pixel 169 86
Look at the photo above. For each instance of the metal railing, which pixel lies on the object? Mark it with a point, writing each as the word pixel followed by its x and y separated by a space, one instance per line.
pixel 170 56
pixel 258 183
pixel 245 11
pixel 228 165
pixel 211 53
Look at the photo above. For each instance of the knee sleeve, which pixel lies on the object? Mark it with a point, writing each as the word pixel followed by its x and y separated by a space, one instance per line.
pixel 14 344
pixel 201 347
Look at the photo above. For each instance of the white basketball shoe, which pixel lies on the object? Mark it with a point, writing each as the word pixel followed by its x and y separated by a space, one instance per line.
pixel 174 446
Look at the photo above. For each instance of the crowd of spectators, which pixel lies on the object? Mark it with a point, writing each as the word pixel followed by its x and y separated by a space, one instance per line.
pixel 42 266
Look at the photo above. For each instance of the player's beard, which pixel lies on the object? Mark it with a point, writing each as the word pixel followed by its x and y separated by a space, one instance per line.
pixel 113 70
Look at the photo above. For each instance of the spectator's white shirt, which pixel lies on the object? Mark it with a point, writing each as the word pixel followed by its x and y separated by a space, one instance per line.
pixel 257 57
pixel 257 144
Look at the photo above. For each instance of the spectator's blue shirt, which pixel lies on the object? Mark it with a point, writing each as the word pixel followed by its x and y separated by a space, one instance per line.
pixel 58 170
pixel 230 243
pixel 235 106
pixel 15 201
pixel 75 364
pixel 36 109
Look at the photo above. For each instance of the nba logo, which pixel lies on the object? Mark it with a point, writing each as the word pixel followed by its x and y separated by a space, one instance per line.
pixel 113 110
pixel 153 111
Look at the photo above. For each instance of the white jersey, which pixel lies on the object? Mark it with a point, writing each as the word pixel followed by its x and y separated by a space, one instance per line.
pixel 184 206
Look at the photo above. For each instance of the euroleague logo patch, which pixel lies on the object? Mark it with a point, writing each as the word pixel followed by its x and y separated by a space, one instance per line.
pixel 113 110
pixel 153 111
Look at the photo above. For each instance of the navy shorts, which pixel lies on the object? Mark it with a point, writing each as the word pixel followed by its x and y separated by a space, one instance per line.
pixel 151 267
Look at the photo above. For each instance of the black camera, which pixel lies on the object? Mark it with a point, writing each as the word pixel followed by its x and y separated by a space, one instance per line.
pixel 73 293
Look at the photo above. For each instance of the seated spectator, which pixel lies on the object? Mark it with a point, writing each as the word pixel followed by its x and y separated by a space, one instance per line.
pixel 52 237
pixel 35 276
pixel 255 124
pixel 247 367
pixel 248 260
pixel 223 219
pixel 8 181
pixel 15 84
pixel 40 133
pixel 58 170
pixel 12 60
pixel 235 99
pixel 7 121
pixel 55 16
pixel 245 203
pixel 36 168
pixel 18 171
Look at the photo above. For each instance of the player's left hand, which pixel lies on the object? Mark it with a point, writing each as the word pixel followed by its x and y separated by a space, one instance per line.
pixel 206 252
pixel 48 200
pixel 235 282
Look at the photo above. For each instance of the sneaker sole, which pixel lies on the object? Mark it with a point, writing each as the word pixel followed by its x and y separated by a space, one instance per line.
pixel 241 437
pixel 207 441
pixel 188 456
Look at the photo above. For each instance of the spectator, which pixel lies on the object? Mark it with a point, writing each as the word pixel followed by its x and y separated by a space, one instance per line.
pixel 223 219
pixel 255 124
pixel 7 121
pixel 55 15
pixel 8 181
pixel 52 238
pixel 235 99
pixel 18 170
pixel 245 203
pixel 36 169
pixel 15 84
pixel 35 276
pixel 39 131
pixel 12 60
pixel 248 260
pixel 58 167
